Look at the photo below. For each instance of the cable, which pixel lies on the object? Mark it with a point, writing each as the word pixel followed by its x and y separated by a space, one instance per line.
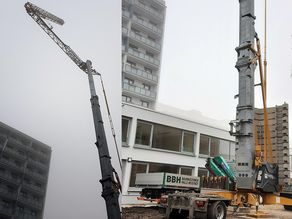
pixel 110 118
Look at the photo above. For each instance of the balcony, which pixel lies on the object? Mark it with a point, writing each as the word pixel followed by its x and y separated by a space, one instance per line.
pixel 38 164
pixel 142 74
pixel 139 91
pixel 25 216
pixel 6 193
pixel 148 10
pixel 36 175
pixel 146 41
pixel 12 152
pixel 6 176
pixel 144 57
pixel 4 210
pixel 125 14
pixel 124 30
pixel 147 25
pixel 31 202
pixel 11 164
pixel 34 188
pixel 27 148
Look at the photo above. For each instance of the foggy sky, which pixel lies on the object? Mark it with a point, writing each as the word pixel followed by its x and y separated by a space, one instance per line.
pixel 199 55
pixel 45 95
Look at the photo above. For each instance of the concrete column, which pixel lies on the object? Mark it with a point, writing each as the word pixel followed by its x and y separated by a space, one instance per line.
pixel 126 177
pixel 132 132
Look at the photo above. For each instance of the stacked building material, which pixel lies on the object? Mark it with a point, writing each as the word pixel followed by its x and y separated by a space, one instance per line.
pixel 279 132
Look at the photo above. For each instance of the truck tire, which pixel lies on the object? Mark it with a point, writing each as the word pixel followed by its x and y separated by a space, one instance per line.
pixel 217 210
pixel 288 207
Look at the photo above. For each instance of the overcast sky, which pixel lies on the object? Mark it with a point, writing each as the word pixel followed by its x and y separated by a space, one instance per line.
pixel 199 55
pixel 46 96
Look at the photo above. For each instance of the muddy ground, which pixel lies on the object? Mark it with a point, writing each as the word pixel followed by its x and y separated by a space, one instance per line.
pixel 270 211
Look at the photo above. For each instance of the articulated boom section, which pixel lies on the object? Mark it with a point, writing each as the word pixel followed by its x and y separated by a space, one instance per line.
pixel 245 170
pixel 37 14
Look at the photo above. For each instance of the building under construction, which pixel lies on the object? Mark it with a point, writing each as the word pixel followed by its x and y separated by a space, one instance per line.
pixel 279 132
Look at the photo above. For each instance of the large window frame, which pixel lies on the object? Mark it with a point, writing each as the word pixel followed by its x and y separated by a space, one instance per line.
pixel 181 140
pixel 128 130
pixel 151 134
pixel 230 155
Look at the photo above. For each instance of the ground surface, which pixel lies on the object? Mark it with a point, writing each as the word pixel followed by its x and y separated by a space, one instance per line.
pixel 272 211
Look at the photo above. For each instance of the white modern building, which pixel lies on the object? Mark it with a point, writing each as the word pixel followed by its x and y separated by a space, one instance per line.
pixel 142 37
pixel 168 140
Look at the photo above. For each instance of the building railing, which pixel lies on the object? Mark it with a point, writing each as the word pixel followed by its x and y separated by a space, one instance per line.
pixel 139 90
pixel 11 151
pixel 25 216
pixel 5 210
pixel 27 147
pixel 149 9
pixel 145 40
pixel 143 56
pixel 11 164
pixel 125 14
pixel 7 193
pixel 30 201
pixel 36 175
pixel 8 176
pixel 147 24
pixel 141 73
pixel 124 30
pixel 33 187
pixel 38 164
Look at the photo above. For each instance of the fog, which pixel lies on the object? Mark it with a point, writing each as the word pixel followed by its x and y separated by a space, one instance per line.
pixel 45 95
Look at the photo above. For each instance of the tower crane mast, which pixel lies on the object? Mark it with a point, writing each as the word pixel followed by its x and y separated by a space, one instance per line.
pixel 110 181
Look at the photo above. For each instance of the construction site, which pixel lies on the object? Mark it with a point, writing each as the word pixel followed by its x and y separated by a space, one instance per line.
pixel 248 180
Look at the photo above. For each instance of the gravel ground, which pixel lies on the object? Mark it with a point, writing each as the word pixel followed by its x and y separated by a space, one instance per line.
pixel 272 212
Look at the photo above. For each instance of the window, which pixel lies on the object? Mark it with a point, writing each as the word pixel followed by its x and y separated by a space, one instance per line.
pixel 125 129
pixel 188 142
pixel 151 38
pixel 166 138
pixel 144 103
pixel 136 168
pixel 152 23
pixel 224 149
pixel 143 133
pixel 148 70
pixel 214 147
pixel 133 47
pixel 146 86
pixel 127 99
pixel 202 172
pixel 186 171
pixel 156 168
pixel 128 81
pixel 150 54
pixel 204 145
pixel 132 64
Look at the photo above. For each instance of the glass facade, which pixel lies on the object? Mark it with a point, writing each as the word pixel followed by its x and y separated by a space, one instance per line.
pixel 164 137
pixel 212 147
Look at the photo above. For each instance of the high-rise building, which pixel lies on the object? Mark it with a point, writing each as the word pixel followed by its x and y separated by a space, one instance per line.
pixel 24 169
pixel 142 37
pixel 279 132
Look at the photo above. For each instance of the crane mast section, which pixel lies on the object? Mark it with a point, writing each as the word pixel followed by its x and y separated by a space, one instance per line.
pixel 37 18
pixel 245 169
